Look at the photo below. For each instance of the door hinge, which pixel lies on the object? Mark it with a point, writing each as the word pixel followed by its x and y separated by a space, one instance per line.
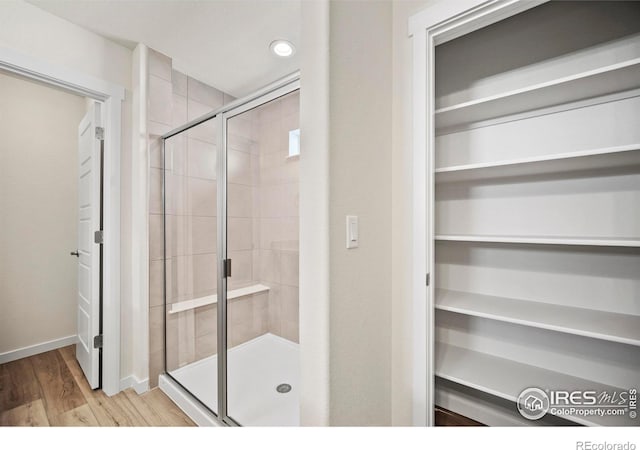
pixel 100 133
pixel 428 279
pixel 227 268
pixel 98 237
pixel 97 341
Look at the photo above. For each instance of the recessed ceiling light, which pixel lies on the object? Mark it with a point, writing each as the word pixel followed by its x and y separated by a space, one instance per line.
pixel 282 48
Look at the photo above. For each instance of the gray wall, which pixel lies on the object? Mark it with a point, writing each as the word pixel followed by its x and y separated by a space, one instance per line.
pixel 360 184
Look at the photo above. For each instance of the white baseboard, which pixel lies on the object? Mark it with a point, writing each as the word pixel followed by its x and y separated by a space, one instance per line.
pixel 126 382
pixel 140 386
pixel 37 348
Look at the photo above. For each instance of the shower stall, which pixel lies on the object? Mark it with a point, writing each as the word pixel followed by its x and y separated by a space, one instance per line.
pixel 231 246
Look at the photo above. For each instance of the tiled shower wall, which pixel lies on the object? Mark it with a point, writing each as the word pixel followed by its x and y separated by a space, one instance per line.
pixel 277 213
pixel 173 100
pixel 255 163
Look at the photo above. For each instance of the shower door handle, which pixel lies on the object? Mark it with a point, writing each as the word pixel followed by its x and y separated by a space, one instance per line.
pixel 76 253
pixel 227 268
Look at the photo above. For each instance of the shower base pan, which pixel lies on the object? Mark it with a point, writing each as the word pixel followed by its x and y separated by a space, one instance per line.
pixel 257 393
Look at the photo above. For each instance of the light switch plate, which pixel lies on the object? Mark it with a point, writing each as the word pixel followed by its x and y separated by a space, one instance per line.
pixel 352 231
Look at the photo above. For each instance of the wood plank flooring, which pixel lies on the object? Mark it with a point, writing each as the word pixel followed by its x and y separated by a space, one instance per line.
pixel 446 418
pixel 50 389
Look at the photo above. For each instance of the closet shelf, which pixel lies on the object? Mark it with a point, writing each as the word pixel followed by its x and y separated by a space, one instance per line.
pixel 615 327
pixel 609 79
pixel 595 159
pixel 542 240
pixel 505 378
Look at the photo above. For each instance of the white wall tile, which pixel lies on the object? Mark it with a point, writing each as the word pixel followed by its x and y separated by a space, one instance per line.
pixel 290 200
pixel 157 129
pixel 186 337
pixel 177 235
pixel 271 167
pixel 270 112
pixel 172 341
pixel 160 100
pixel 275 314
pixel 205 268
pixel 179 81
pixel 270 233
pixel 155 191
pixel 269 266
pixel 289 123
pixel 202 159
pixel 176 154
pixel 242 268
pixel 156 239
pixel 175 194
pixel 202 197
pixel 181 271
pixel 270 137
pixel 260 314
pixel 203 235
pixel 240 143
pixel 159 65
pixel 290 331
pixel 289 305
pixel 290 228
pixel 239 234
pixel 206 131
pixel 155 153
pixel 228 99
pixel 239 167
pixel 156 325
pixel 206 346
pixel 171 294
pixel 289 266
pixel 206 320
pixel 270 201
pixel 178 111
pixel 204 93
pixel 241 125
pixel 239 201
pixel 290 104
pixel 156 292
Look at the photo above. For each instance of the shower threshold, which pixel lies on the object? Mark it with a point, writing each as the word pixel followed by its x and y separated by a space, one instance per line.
pixel 256 369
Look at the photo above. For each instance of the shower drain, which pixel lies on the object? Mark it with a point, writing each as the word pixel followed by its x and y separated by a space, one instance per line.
pixel 283 388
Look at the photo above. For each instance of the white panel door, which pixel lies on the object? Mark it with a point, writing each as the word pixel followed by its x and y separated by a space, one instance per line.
pixel 89 251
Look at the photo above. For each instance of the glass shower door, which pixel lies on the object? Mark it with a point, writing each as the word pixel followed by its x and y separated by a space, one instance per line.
pixel 191 260
pixel 262 243
pixel 230 215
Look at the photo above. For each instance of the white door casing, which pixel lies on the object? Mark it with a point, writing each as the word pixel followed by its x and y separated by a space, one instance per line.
pixel 112 97
pixel 89 199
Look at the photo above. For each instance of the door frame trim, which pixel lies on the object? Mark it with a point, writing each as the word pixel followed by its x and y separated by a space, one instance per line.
pixel 111 95
pixel 433 25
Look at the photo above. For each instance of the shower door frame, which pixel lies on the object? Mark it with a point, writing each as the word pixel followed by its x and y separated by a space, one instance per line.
pixel 279 88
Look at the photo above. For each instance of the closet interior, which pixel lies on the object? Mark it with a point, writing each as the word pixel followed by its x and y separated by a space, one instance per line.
pixel 537 210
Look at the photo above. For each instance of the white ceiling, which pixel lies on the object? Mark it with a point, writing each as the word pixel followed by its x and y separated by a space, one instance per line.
pixel 224 43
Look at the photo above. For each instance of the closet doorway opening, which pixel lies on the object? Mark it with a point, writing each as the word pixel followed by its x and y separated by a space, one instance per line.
pixel 526 218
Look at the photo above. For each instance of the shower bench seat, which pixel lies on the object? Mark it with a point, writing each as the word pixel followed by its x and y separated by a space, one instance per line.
pixel 212 299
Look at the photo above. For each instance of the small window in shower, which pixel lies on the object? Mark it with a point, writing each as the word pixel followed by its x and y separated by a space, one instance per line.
pixel 294 143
